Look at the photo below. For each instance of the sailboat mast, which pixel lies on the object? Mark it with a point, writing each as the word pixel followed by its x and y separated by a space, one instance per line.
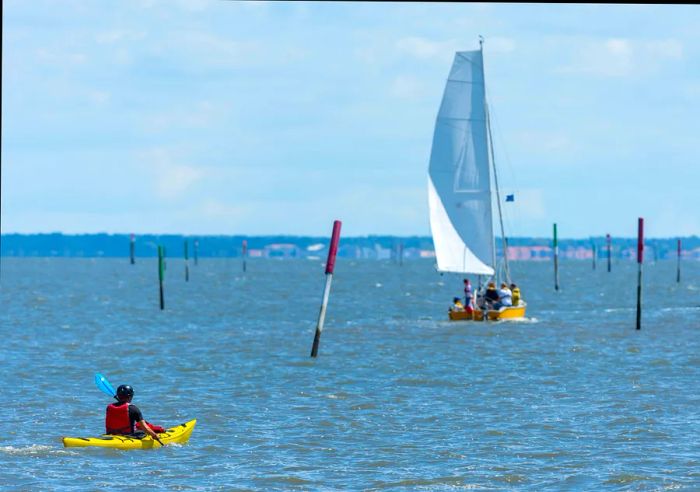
pixel 495 177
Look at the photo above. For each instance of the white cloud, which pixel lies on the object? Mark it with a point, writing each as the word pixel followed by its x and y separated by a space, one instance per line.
pixel 423 48
pixel 620 57
pixel 171 179
pixel 407 87
pixel 499 45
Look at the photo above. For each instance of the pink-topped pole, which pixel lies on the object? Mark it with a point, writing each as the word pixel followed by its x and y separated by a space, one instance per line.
pixel 330 266
pixel 678 268
pixel 640 261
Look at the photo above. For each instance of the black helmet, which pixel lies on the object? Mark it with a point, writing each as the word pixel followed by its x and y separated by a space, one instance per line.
pixel 124 392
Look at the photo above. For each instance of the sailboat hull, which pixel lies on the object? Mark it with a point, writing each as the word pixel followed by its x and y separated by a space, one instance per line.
pixel 512 312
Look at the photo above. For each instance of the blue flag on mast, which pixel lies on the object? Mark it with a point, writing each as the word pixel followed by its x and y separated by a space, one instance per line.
pixel 510 198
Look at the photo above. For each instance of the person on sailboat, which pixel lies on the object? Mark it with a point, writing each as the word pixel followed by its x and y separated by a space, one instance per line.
pixel 516 294
pixel 491 296
pixel 468 296
pixel 457 305
pixel 505 296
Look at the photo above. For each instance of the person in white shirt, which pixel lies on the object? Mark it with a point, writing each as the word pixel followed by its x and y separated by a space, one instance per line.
pixel 505 296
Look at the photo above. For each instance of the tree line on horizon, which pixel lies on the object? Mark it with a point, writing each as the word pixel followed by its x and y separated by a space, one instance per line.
pixel 117 245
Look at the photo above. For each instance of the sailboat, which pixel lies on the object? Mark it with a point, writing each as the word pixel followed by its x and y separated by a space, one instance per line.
pixel 460 191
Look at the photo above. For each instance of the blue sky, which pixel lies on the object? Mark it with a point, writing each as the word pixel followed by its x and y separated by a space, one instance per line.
pixel 212 117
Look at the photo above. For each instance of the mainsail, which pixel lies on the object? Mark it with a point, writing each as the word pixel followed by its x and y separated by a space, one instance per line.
pixel 459 186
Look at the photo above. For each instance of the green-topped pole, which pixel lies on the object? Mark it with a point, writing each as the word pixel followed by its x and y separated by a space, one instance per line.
pixel 161 268
pixel 187 264
pixel 556 259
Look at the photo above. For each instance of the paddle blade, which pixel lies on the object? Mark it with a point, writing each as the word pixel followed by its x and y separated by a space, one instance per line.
pixel 104 385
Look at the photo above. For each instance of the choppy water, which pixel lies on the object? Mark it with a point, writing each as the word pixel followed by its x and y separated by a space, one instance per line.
pixel 399 399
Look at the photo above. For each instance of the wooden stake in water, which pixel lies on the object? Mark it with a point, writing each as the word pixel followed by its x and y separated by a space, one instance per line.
pixel 160 275
pixel 556 260
pixel 678 268
pixel 132 248
pixel 244 253
pixel 187 264
pixel 196 252
pixel 595 255
pixel 330 265
pixel 609 241
pixel 640 261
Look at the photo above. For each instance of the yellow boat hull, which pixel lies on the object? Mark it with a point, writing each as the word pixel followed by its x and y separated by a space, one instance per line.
pixel 511 312
pixel 175 435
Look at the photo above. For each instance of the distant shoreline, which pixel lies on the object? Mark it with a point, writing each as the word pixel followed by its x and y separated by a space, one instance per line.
pixel 288 246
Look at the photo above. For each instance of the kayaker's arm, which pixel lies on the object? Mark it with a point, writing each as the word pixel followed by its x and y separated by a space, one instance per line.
pixel 147 429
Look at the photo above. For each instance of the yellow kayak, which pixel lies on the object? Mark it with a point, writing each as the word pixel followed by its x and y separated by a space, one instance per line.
pixel 175 435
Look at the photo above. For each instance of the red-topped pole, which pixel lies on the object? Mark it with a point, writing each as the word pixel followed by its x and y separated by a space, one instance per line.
pixel 678 268
pixel 640 261
pixel 330 265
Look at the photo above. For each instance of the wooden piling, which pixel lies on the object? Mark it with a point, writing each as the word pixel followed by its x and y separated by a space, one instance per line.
pixel 244 253
pixel 556 259
pixel 640 261
pixel 132 248
pixel 678 266
pixel 187 264
pixel 609 241
pixel 330 265
pixel 161 267
pixel 196 252
pixel 595 255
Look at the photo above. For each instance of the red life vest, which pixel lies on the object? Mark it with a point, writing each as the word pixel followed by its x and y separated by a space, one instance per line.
pixel 117 420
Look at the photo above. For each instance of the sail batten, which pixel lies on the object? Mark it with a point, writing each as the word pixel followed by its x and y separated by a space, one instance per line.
pixel 459 184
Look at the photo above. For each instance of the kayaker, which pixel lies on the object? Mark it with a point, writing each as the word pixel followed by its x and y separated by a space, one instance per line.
pixel 123 417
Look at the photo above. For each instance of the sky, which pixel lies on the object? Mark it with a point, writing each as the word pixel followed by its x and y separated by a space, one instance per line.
pixel 256 118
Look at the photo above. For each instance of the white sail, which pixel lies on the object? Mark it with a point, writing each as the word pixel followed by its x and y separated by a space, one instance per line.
pixel 459 186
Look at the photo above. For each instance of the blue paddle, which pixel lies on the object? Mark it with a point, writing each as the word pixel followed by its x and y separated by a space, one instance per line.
pixel 104 386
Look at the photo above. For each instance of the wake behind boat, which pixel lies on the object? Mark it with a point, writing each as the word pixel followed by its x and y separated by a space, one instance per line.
pixel 460 192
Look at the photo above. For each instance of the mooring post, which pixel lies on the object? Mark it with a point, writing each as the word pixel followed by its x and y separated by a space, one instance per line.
pixel 595 255
pixel 160 275
pixel 330 265
pixel 244 253
pixel 132 248
pixel 609 241
pixel 556 260
pixel 196 252
pixel 187 264
pixel 678 267
pixel 640 261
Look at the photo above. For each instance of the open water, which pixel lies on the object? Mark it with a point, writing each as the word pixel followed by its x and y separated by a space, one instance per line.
pixel 574 398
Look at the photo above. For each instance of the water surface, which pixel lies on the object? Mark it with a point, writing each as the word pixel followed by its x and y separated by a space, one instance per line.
pixel 399 399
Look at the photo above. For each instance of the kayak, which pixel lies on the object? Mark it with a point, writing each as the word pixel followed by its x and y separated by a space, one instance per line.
pixel 175 435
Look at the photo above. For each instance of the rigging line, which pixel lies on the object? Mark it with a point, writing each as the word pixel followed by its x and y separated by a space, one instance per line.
pixel 513 178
